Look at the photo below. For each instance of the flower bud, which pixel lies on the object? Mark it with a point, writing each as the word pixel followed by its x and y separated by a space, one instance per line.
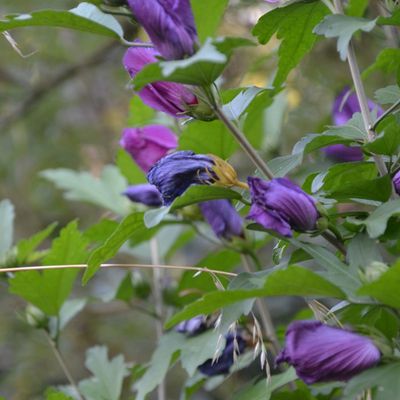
pixel 146 194
pixel 396 182
pixel 148 144
pixel 321 353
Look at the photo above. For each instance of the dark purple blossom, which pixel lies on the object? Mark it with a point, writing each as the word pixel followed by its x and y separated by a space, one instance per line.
pixel 192 326
pixel 280 205
pixel 234 345
pixel 174 173
pixel 223 218
pixel 396 182
pixel 321 353
pixel 169 24
pixel 345 105
pixel 170 97
pixel 148 144
pixel 146 194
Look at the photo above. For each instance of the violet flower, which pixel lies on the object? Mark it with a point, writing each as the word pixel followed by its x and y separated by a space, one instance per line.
pixel 223 218
pixel 234 344
pixel 148 144
pixel 280 205
pixel 146 194
pixel 321 353
pixel 344 106
pixel 169 24
pixel 396 182
pixel 192 326
pixel 174 173
pixel 172 98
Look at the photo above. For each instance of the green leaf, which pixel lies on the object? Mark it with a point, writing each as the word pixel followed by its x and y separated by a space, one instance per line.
pixel 388 95
pixel 6 226
pixel 129 169
pixel 388 140
pixel 388 61
pixel 207 22
pixel 292 281
pixel 356 8
pixel 113 243
pixel 362 251
pixel 53 394
pixel 208 138
pixel 294 25
pixel 49 290
pixel 104 191
pixel 86 17
pixel 343 27
pixel 378 219
pixel 385 288
pixel 101 231
pixel 26 247
pixel 394 19
pixel 202 69
pixel 108 375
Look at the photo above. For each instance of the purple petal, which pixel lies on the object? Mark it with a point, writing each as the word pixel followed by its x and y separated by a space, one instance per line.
pixel 145 194
pixel 342 153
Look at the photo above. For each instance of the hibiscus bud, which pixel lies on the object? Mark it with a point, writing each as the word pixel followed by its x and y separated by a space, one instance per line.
pixel 169 24
pixel 320 353
pixel 280 205
pixel 174 173
pixel 235 344
pixel 223 218
pixel 396 182
pixel 192 326
pixel 172 98
pixel 345 105
pixel 148 144
pixel 145 193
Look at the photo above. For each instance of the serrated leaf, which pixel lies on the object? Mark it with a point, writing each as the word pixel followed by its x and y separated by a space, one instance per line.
pixel 294 25
pixel 362 251
pixel 6 226
pixel 104 191
pixel 292 281
pixel 388 140
pixel 343 27
pixel 121 234
pixel 108 375
pixel 202 69
pixel 388 95
pixel 86 17
pixel 49 290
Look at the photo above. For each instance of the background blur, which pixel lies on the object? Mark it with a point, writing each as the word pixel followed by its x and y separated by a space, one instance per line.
pixel 63 104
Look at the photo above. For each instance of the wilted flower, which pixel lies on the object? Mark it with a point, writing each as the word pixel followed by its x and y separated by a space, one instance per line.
pixel 320 352
pixel 223 218
pixel 146 194
pixel 396 182
pixel 192 326
pixel 172 98
pixel 169 24
pixel 174 173
pixel 281 206
pixel 148 144
pixel 235 344
pixel 345 105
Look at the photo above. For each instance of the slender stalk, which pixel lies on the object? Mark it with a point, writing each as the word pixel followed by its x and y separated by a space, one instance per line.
pixel 265 315
pixel 243 142
pixel 135 44
pixel 158 300
pixel 334 242
pixel 385 114
pixel 63 365
pixel 83 266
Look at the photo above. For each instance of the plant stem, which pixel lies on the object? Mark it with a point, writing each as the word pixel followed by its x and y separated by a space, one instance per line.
pixel 265 315
pixel 385 114
pixel 334 242
pixel 243 142
pixel 158 300
pixel 63 366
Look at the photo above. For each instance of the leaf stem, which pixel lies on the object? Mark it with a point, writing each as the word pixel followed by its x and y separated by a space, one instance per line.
pixel 63 365
pixel 334 242
pixel 385 114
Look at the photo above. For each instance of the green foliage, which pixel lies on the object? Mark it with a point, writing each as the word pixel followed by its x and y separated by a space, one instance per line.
pixel 388 95
pixel 388 140
pixel 356 8
pixel 49 290
pixel 52 394
pixel 388 61
pixel 129 169
pixel 294 25
pixel 108 375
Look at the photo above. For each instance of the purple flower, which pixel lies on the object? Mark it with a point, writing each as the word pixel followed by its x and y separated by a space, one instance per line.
pixel 234 344
pixel 192 326
pixel 345 105
pixel 280 205
pixel 145 194
pixel 174 173
pixel 396 182
pixel 172 98
pixel 169 24
pixel 320 352
pixel 148 144
pixel 223 218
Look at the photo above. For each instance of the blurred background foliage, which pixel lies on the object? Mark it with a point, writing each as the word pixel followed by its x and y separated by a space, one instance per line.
pixel 63 104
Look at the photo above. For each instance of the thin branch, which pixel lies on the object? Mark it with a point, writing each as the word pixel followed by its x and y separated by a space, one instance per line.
pixel 385 114
pixel 83 266
pixel 334 242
